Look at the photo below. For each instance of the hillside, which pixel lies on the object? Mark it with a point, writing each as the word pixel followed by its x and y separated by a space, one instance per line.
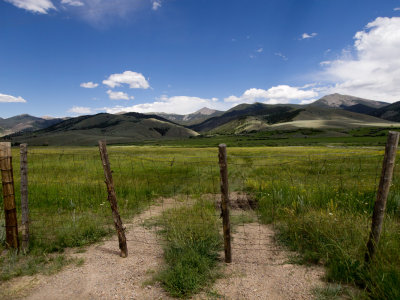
pixel 331 111
pixel 239 114
pixel 390 112
pixel 246 118
pixel 87 130
pixel 193 118
pixel 25 123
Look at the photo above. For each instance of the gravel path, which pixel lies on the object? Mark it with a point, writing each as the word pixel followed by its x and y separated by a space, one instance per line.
pixel 258 271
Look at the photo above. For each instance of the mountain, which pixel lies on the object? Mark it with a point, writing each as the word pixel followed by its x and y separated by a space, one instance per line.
pixel 246 118
pixel 383 110
pixel 25 123
pixel 87 130
pixel 347 102
pixel 242 111
pixel 193 118
pixel 390 112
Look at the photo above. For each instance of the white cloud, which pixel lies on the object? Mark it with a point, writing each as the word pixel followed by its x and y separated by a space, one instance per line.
pixel 156 4
pixel 89 85
pixel 259 50
pixel 176 105
pixel 396 8
pixel 119 95
pixel 36 6
pixel 81 110
pixel 308 36
pixel 304 102
pixel 372 69
pixel 281 55
pixel 72 2
pixel 11 99
pixel 133 79
pixel 274 95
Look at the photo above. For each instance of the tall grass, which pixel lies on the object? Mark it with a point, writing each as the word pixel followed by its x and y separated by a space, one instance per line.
pixel 191 252
pixel 320 199
pixel 322 208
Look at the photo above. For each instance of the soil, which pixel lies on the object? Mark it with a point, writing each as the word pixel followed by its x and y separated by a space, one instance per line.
pixel 259 270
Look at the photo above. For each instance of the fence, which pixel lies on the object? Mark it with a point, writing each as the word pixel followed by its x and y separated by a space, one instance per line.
pixel 68 199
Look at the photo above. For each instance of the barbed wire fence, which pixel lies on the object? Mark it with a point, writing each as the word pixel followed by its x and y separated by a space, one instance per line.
pixel 68 198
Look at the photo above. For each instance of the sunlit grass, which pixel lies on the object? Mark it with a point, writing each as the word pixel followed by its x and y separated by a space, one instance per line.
pixel 320 199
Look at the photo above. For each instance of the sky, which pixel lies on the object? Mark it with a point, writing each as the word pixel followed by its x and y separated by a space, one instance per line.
pixel 73 57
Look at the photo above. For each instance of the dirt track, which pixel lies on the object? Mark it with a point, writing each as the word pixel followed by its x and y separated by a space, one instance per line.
pixel 258 271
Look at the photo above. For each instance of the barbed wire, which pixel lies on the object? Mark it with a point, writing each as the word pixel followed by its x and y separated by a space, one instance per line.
pixel 67 193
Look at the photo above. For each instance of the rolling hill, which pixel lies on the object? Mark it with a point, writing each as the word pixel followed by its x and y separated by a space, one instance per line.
pixel 87 130
pixel 25 123
pixel 390 112
pixel 246 118
pixel 329 112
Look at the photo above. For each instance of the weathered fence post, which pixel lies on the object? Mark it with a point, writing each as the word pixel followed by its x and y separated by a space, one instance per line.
pixel 223 165
pixel 112 198
pixel 24 196
pixel 9 195
pixel 383 191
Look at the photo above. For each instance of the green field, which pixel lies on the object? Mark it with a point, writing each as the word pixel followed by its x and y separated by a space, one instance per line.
pixel 319 198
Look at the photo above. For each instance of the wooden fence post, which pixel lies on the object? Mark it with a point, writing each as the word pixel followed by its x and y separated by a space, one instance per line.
pixel 9 195
pixel 383 191
pixel 24 196
pixel 112 198
pixel 223 165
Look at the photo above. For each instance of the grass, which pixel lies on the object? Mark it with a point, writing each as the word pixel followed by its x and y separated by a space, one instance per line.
pixel 319 197
pixel 191 252
pixel 14 265
pixel 323 210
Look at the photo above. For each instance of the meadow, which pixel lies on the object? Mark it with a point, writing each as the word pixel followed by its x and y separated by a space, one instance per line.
pixel 319 198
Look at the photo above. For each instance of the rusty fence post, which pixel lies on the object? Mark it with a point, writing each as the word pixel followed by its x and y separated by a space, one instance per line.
pixel 112 198
pixel 382 195
pixel 223 164
pixel 10 210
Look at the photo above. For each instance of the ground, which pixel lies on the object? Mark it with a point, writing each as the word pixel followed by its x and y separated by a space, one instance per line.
pixel 259 270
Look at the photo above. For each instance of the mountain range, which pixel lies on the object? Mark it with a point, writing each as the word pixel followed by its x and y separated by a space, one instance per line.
pixel 331 111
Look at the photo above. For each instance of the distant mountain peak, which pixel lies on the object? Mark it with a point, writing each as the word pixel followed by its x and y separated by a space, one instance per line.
pixel 337 100
pixel 205 111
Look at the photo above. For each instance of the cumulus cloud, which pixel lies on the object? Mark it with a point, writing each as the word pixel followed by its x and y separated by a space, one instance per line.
pixel 259 50
pixel 156 4
pixel 133 79
pixel 11 99
pixel 35 6
pixel 305 36
pixel 396 9
pixel 119 95
pixel 305 102
pixel 81 110
pixel 72 2
pixel 89 85
pixel 274 95
pixel 176 104
pixel 372 68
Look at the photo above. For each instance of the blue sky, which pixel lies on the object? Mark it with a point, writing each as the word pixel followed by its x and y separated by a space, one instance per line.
pixel 71 57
